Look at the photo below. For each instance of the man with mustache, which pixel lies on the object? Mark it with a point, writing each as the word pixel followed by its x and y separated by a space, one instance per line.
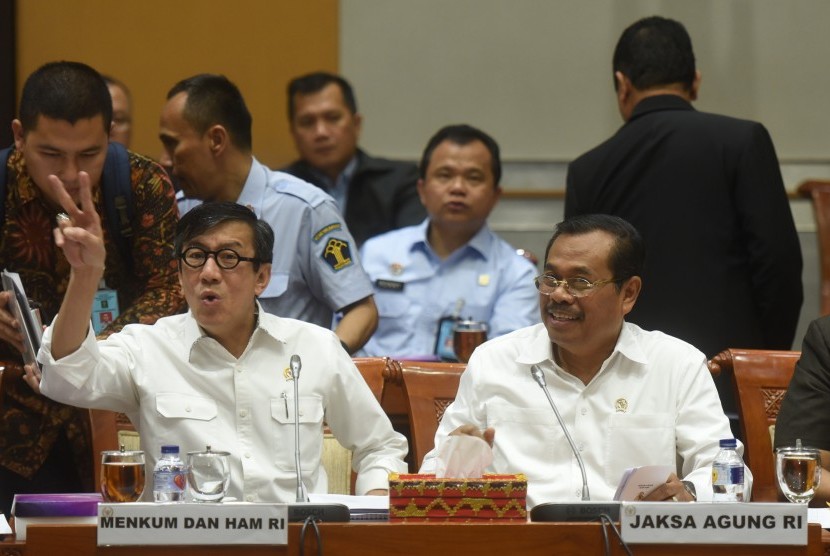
pixel 629 397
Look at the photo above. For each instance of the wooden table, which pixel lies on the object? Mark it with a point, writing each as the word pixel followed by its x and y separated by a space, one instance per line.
pixel 383 539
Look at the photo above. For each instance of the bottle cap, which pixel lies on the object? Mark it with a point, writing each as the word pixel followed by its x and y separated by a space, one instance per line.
pixel 170 449
pixel 728 443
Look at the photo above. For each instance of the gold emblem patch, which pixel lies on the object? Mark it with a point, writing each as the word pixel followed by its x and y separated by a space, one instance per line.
pixel 337 254
pixel 621 405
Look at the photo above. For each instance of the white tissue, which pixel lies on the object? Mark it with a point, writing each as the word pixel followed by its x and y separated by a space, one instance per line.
pixel 463 457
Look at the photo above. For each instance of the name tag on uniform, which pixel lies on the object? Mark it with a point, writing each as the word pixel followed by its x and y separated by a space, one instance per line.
pixel 389 285
pixel 104 309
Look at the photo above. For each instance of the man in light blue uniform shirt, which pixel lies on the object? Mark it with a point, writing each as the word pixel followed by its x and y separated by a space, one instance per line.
pixel 206 132
pixel 451 265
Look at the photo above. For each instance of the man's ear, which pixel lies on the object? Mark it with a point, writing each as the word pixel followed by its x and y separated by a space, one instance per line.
pixel 218 139
pixel 17 133
pixel 358 123
pixel 630 291
pixel 420 187
pixel 263 277
pixel 695 85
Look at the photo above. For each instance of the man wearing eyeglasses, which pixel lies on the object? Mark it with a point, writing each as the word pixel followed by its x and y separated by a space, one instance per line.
pixel 628 397
pixel 219 374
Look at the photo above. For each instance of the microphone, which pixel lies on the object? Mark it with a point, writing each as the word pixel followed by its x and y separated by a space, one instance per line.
pixel 539 377
pixel 570 511
pixel 295 365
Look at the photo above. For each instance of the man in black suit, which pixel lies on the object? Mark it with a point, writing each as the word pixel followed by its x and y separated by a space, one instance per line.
pixel 723 265
pixel 374 194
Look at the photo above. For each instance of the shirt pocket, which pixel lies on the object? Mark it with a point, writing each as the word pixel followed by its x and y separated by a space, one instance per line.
pixel 391 304
pixel 185 418
pixel 311 426
pixel 277 286
pixel 637 440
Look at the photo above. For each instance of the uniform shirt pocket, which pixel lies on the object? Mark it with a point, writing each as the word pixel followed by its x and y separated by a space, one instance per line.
pixel 637 440
pixel 311 426
pixel 182 406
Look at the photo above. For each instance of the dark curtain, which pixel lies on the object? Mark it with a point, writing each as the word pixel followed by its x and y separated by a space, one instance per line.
pixel 8 82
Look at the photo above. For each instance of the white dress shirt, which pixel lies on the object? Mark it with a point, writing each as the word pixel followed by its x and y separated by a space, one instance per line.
pixel 653 402
pixel 179 386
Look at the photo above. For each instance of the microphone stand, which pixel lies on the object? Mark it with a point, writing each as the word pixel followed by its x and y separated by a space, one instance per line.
pixel 296 365
pixel 539 377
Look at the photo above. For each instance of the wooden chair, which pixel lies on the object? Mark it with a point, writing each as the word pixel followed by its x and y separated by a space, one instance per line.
pixel 429 388
pixel 336 459
pixel 110 430
pixel 819 192
pixel 761 378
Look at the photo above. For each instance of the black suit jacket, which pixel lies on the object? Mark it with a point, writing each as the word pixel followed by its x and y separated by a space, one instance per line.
pixel 804 411
pixel 382 195
pixel 723 260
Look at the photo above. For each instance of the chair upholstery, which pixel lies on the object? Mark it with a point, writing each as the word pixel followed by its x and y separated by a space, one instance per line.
pixel 761 378
pixel 429 388
pixel 337 460
pixel 819 192
pixel 110 430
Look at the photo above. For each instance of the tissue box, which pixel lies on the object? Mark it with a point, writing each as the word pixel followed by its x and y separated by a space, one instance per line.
pixel 426 498
pixel 29 509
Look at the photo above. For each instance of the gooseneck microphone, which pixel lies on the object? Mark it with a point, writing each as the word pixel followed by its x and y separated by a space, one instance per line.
pixel 539 377
pixel 295 365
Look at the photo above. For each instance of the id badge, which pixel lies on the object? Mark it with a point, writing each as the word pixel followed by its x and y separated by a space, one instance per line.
pixel 443 339
pixel 104 309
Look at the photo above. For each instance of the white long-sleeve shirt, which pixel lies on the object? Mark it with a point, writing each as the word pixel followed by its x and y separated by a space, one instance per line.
pixel 652 402
pixel 179 386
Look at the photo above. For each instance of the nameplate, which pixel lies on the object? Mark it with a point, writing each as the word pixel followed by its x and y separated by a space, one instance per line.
pixel 713 523
pixel 192 524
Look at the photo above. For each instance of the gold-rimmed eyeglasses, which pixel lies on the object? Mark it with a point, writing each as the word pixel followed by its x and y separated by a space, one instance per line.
pixel 576 287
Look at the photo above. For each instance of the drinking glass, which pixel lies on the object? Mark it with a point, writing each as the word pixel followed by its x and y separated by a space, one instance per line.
pixel 208 475
pixel 798 469
pixel 468 335
pixel 122 475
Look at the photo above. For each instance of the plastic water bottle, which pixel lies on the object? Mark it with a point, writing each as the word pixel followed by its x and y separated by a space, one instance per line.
pixel 169 476
pixel 728 473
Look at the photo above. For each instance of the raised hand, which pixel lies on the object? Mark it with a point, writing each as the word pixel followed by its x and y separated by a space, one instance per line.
pixel 78 231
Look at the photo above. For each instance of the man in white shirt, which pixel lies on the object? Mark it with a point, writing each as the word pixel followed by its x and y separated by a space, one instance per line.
pixel 219 374
pixel 629 397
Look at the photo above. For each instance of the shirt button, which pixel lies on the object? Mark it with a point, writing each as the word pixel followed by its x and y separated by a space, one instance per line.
pixel 578 493
pixel 583 411
pixel 243 413
pixel 239 369
pixel 247 455
pixel 250 498
pixel 187 408
pixel 581 446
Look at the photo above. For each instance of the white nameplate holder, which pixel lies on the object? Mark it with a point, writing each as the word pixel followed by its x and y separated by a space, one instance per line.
pixel 192 524
pixel 713 523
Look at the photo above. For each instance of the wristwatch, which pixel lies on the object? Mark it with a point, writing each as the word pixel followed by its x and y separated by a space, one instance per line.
pixel 690 488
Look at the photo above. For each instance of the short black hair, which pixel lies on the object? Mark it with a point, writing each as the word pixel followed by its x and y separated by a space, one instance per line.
pixel 110 80
pixel 316 82
pixel 207 216
pixel 69 91
pixel 462 134
pixel 213 99
pixel 655 51
pixel 628 254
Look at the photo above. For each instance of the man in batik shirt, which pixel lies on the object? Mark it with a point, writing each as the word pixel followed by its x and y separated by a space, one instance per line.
pixel 65 119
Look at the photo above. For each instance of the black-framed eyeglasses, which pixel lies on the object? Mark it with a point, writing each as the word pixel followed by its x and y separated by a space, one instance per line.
pixel 576 287
pixel 226 259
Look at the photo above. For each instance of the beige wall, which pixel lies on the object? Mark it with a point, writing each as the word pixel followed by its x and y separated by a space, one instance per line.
pixel 151 44
pixel 537 73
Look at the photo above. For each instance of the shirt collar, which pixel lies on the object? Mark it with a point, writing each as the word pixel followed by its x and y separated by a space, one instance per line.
pixel 481 243
pixel 253 191
pixel 659 103
pixel 540 349
pixel 266 324
pixel 345 177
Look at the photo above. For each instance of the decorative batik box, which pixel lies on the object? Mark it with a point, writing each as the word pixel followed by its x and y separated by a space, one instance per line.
pixel 426 498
